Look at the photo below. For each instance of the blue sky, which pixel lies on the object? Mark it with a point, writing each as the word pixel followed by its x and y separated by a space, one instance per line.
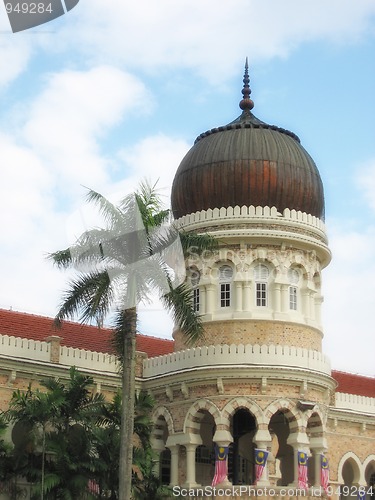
pixel 113 92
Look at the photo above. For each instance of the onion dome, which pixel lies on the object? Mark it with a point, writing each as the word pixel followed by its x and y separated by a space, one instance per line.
pixel 247 162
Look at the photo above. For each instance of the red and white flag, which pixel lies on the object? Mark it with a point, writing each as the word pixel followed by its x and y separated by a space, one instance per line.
pixel 221 465
pixel 302 470
pixel 324 473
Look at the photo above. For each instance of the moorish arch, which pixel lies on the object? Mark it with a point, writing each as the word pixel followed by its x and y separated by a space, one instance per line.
pixel 369 461
pixel 286 427
pixel 356 466
pixel 243 402
pixel 242 417
pixel 201 405
pixel 288 407
pixel 369 471
pixel 317 414
pixel 163 412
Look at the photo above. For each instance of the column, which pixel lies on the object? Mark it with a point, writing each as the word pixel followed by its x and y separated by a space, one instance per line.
pixel 247 306
pixel 312 305
pixel 277 297
pixel 238 305
pixel 318 306
pixel 210 299
pixel 202 299
pixel 224 444
pixel 174 464
pixel 284 298
pixel 190 465
pixel 300 442
pixel 317 453
pixel 306 303
pixel 263 441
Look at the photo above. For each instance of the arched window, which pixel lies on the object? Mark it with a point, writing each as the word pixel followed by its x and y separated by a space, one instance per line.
pixel 194 281
pixel 225 280
pixel 293 278
pixel 261 275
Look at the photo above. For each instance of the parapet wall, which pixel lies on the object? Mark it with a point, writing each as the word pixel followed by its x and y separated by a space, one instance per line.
pixel 243 213
pixel 249 355
pixel 42 352
pixel 353 402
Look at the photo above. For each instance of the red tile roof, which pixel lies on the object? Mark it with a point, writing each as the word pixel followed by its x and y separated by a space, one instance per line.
pixel 23 325
pixel 354 384
pixel 91 338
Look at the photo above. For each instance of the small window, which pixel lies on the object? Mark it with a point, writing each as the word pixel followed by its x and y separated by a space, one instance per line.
pixel 261 294
pixel 225 278
pixel 261 275
pixel 261 272
pixel 225 273
pixel 225 295
pixel 293 276
pixel 293 298
pixel 195 277
pixel 196 299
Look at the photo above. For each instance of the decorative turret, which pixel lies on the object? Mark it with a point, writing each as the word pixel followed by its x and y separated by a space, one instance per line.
pixel 255 188
pixel 247 162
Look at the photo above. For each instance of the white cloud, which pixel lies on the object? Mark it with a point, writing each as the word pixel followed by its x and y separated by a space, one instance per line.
pixel 210 37
pixel 15 55
pixel 366 182
pixel 155 158
pixel 76 109
pixel 349 304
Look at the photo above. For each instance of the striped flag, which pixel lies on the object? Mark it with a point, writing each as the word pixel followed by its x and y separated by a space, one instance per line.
pixel 324 473
pixel 260 462
pixel 221 465
pixel 93 487
pixel 302 470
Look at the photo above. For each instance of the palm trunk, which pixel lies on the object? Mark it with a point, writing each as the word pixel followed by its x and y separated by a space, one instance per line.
pixel 129 323
pixel 43 461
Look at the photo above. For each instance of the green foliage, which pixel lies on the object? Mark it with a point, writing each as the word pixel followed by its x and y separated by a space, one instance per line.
pixel 111 281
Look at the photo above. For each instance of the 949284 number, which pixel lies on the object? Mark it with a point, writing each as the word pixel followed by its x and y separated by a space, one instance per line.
pixel 29 8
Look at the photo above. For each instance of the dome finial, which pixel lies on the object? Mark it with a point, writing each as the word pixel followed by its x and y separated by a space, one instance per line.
pixel 246 103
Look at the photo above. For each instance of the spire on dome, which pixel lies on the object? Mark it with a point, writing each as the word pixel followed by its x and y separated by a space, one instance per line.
pixel 246 104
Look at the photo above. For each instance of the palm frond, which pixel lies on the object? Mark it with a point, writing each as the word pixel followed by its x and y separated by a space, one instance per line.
pixel 89 296
pixel 180 303
pixel 194 244
pixel 108 210
pixel 62 258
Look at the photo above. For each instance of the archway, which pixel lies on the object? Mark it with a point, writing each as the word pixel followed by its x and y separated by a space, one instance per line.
pixel 350 475
pixel 160 435
pixel 280 429
pixel 204 453
pixel 241 450
pixel 315 434
pixel 370 479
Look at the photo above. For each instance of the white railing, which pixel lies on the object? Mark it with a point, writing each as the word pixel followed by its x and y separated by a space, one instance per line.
pixel 248 355
pixel 40 351
pixel 355 403
pixel 97 361
pixel 250 212
pixel 24 348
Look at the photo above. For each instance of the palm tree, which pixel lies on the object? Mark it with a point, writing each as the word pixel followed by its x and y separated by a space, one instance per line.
pixel 63 414
pixel 124 264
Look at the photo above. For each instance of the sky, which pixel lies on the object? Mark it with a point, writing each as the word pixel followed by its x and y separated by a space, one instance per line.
pixel 115 92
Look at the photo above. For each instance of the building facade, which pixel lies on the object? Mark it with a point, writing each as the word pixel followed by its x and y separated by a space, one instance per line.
pixel 258 381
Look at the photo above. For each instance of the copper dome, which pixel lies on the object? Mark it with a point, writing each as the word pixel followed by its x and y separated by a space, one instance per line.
pixel 247 162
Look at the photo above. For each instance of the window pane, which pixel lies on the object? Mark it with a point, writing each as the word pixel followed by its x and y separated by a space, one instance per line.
pixel 293 298
pixel 225 273
pixel 196 299
pixel 261 294
pixel 261 272
pixel 225 295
